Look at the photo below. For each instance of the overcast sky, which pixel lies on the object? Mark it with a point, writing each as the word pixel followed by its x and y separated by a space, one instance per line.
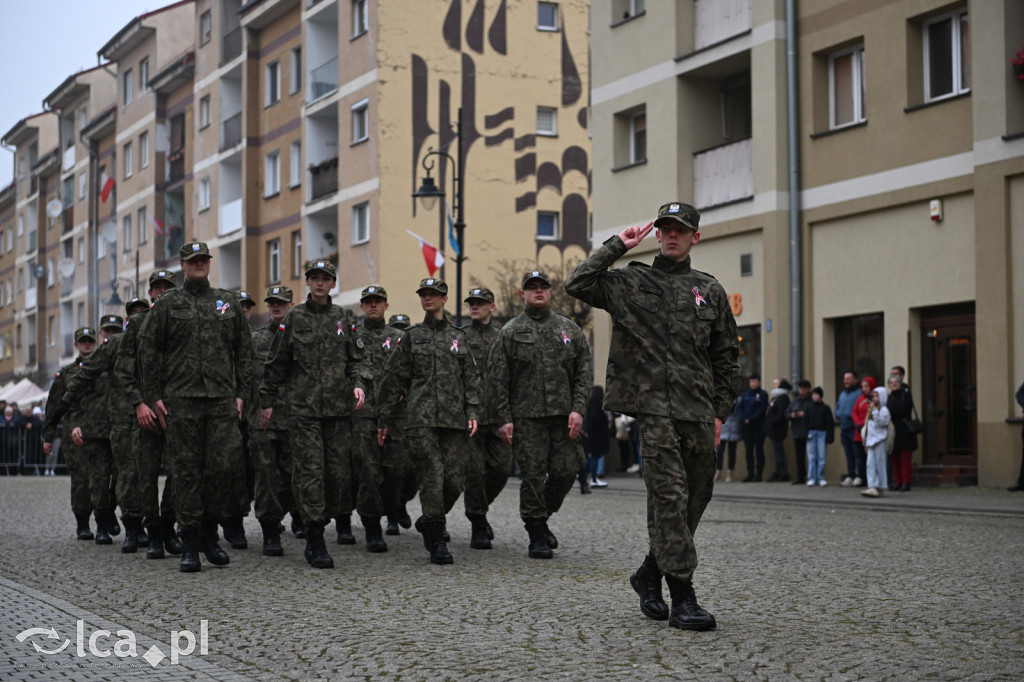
pixel 44 42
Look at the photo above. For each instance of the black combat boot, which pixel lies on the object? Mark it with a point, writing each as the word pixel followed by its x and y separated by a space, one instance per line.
pixel 103 530
pixel 84 532
pixel 424 530
pixel 172 544
pixel 392 528
pixel 234 532
pixel 344 526
pixel 298 528
pixel 190 551
pixel 478 539
pixel 488 529
pixel 552 540
pixel 374 537
pixel 438 548
pixel 156 543
pixel 112 527
pixel 143 535
pixel 316 549
pixel 132 528
pixel 403 518
pixel 539 546
pixel 687 614
pixel 271 538
pixel 208 545
pixel 646 581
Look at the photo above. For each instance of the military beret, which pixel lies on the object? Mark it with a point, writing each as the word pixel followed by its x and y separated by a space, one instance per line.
pixel 163 276
pixel 677 212
pixel 85 333
pixel 400 321
pixel 194 250
pixel 245 298
pixel 433 284
pixel 135 305
pixel 323 265
pixel 373 290
pixel 279 294
pixel 536 274
pixel 111 322
pixel 480 293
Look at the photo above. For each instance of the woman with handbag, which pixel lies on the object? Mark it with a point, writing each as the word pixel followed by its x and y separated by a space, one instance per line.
pixel 906 424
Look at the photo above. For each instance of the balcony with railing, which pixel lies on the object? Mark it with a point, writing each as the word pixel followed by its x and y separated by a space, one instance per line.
pixel 230 45
pixel 323 80
pixel 231 131
pixel 323 178
pixel 723 174
pixel 718 20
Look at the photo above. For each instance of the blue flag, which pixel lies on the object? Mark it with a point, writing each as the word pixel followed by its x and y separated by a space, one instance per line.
pixel 452 240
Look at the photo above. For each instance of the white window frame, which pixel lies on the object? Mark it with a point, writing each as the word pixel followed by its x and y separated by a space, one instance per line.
pixel 295 164
pixel 955 18
pixel 859 86
pixel 126 232
pixel 274 260
pixel 296 76
pixel 272 82
pixel 129 160
pixel 143 226
pixel 557 232
pixel 81 249
pixel 552 114
pixel 297 253
pixel 360 18
pixel 272 174
pixel 204 194
pixel 361 121
pixel 143 75
pixel 144 149
pixel 126 83
pixel 633 156
pixel 205 27
pixel 83 184
pixel 361 223
pixel 204 112
pixel 548 27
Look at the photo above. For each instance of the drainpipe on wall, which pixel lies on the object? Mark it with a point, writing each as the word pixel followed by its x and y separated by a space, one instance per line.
pixel 795 264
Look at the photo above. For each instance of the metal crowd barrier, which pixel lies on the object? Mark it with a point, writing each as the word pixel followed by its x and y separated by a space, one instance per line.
pixel 21 452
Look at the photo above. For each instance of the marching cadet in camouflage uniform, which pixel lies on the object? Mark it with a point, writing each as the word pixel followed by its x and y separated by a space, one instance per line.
pixel 269 446
pixel 490 457
pixel 315 371
pixel 83 501
pixel 434 375
pixel 673 363
pixel 400 482
pixel 234 530
pixel 196 354
pixel 148 431
pixel 543 372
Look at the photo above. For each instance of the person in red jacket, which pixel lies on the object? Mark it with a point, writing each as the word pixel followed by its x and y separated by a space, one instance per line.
pixel 859 414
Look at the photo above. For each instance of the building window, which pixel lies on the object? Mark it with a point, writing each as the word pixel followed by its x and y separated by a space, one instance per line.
pixel 360 121
pixel 127 84
pixel 947 56
pixel 51 271
pixel 296 83
pixel 143 75
pixel 295 164
pixel 750 349
pixel 746 265
pixel 547 121
pixel 126 233
pixel 274 260
pixel 204 112
pixel 297 253
pixel 273 84
pixel 80 315
pixel 547 16
pixel 68 194
pixel 359 19
pixel 21 224
pixel 51 330
pixel 143 226
pixel 205 27
pixel 737 117
pixel 547 225
pixel 128 160
pixel 144 150
pixel 626 9
pixel 83 118
pixel 859 346
pixel 360 223
pixel 846 87
pixel 204 194
pixel 638 137
pixel 272 174
pixel 10 240
pixel 81 249
pixel 83 183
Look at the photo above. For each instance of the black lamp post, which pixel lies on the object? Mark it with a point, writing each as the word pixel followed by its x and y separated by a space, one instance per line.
pixel 429 193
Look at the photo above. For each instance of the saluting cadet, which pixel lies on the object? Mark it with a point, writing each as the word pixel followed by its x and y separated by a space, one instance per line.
pixel 543 373
pixel 314 370
pixel 196 354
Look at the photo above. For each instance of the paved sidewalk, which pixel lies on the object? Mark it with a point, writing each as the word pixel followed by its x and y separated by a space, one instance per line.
pixel 830 590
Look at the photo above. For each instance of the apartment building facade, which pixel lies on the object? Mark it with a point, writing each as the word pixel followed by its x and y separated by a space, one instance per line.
pixel 894 238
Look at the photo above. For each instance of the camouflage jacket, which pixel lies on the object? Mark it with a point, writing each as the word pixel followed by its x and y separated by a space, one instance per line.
pixel 262 340
pixel 196 343
pixel 480 338
pixel 95 380
pixel 432 371
pixel 378 341
pixel 74 416
pixel 127 371
pixel 674 348
pixel 541 366
pixel 315 363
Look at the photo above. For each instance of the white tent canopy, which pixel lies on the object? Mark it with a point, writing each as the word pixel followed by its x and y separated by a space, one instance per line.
pixel 24 392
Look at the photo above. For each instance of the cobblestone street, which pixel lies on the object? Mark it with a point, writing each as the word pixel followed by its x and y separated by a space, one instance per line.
pixel 805 584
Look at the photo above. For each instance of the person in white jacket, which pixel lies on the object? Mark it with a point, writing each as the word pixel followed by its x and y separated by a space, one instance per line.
pixel 878 430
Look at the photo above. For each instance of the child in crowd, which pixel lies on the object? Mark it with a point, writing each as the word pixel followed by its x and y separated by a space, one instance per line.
pixel 877 432
pixel 820 431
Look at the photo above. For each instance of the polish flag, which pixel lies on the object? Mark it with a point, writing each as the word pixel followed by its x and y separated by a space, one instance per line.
pixel 158 226
pixel 433 257
pixel 108 187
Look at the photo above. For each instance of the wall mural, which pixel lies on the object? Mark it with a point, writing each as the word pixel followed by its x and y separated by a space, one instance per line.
pixel 499 124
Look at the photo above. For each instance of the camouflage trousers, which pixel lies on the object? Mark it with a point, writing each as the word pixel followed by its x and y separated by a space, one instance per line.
pixel 400 480
pixel 321 452
pixel 129 494
pixel 74 458
pixel 548 462
pixel 246 492
pixel 273 488
pixel 679 471
pixel 99 466
pixel 440 459
pixel 150 451
pixel 487 471
pixel 370 463
pixel 205 449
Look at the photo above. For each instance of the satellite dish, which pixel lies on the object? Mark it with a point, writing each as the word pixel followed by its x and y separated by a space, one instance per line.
pixel 110 232
pixel 66 267
pixel 54 208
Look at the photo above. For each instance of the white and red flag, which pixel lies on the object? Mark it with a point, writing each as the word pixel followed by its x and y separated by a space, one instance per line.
pixel 431 254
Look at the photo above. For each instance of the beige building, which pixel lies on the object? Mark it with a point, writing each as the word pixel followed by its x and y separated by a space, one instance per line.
pixel 907 205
